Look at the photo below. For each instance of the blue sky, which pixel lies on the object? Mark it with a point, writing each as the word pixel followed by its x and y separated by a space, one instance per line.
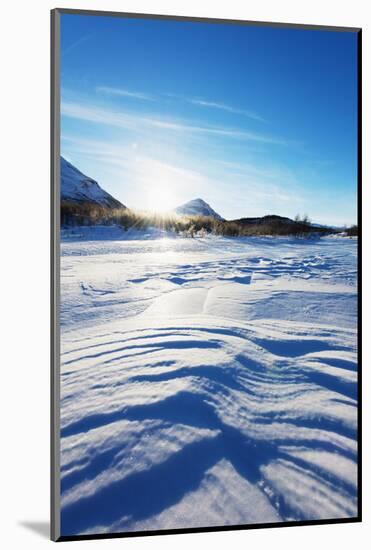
pixel 254 120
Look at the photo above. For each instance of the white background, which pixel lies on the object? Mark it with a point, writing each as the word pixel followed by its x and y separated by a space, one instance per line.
pixel 24 272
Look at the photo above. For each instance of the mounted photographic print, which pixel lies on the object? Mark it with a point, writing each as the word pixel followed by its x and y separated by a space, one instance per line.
pixel 205 251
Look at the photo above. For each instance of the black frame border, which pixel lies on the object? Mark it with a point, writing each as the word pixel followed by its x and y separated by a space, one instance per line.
pixel 55 274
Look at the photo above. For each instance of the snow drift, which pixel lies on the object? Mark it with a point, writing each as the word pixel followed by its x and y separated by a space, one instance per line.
pixel 207 382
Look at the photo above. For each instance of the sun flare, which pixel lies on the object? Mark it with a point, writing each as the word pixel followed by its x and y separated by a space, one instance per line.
pixel 161 200
pixel 162 184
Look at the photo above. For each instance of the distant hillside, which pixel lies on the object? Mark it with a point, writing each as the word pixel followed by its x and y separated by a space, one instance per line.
pixel 264 220
pixel 77 188
pixel 197 207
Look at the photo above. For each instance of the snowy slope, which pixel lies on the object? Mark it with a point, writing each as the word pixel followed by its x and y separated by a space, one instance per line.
pixel 77 187
pixel 207 382
pixel 197 207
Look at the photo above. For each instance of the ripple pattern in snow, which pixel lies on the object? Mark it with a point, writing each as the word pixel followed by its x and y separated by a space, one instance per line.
pixel 221 390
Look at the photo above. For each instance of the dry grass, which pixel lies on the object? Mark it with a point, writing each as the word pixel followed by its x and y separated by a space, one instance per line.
pixel 190 226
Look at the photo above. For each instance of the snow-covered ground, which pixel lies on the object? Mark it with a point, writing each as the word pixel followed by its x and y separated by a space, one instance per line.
pixel 206 381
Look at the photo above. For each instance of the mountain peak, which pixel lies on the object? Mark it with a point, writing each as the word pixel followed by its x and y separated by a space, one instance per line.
pixel 77 187
pixel 197 207
pixel 198 201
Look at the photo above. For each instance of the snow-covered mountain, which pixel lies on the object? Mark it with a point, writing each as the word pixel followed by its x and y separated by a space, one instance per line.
pixel 77 187
pixel 197 207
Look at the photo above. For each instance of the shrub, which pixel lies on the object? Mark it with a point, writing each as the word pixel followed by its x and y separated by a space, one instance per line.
pixel 352 231
pixel 190 226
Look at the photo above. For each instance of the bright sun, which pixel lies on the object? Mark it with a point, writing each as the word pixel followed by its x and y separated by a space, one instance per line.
pixel 162 182
pixel 161 199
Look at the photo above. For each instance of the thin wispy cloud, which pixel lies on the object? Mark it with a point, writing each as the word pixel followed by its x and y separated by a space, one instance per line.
pixel 78 42
pixel 131 121
pixel 224 107
pixel 245 169
pixel 124 93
